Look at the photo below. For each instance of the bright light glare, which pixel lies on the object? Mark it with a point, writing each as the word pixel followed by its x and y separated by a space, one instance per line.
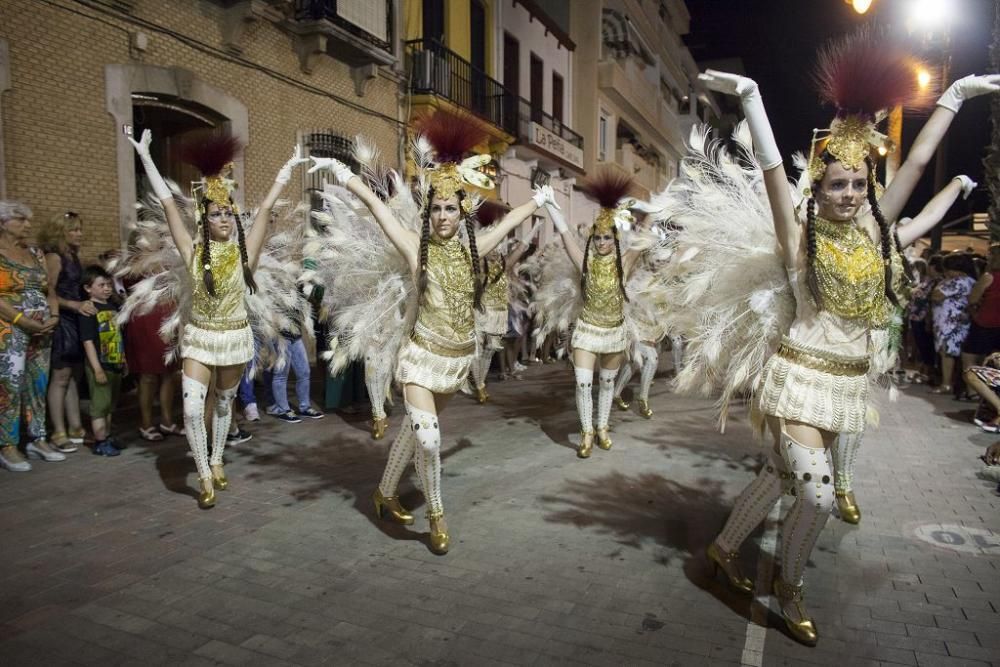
pixel 882 150
pixel 930 14
pixel 923 78
pixel 861 6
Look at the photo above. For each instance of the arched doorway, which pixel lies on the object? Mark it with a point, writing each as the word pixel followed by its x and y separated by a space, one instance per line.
pixel 174 103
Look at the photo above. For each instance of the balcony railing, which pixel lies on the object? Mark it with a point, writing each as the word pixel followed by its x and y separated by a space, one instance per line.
pixel 436 70
pixel 528 114
pixel 329 10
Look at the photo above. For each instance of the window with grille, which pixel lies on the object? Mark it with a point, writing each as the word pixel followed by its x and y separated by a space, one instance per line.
pixel 326 144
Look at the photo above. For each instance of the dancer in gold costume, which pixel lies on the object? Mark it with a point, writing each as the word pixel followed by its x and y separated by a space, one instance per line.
pixel 436 358
pixel 836 253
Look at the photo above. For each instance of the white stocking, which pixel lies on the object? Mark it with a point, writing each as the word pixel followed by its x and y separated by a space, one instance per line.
pixel 427 455
pixel 377 378
pixel 677 351
pixel 813 481
pixel 845 451
pixel 221 419
pixel 650 360
pixel 604 395
pixel 624 375
pixel 400 455
pixel 753 504
pixel 193 394
pixel 481 364
pixel 585 398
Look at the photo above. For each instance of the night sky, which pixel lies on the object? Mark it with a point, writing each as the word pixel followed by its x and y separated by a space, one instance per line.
pixel 777 42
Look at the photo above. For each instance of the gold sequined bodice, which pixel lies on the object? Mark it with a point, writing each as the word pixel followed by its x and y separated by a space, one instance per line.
pixel 850 273
pixel 446 305
pixel 227 309
pixel 603 301
pixel 495 294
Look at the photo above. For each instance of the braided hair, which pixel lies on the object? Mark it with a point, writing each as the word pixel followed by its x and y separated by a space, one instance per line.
pixel 886 241
pixel 586 264
pixel 812 282
pixel 618 263
pixel 425 235
pixel 206 254
pixel 247 273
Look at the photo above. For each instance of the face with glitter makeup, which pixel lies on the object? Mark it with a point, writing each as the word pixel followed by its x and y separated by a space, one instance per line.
pixel 841 192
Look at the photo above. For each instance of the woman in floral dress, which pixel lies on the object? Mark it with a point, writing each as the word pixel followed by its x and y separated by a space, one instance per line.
pixel 950 300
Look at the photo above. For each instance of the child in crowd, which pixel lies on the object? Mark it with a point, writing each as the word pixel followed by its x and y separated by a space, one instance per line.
pixel 104 348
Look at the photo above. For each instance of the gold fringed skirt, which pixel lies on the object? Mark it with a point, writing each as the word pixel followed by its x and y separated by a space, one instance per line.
pixel 226 346
pixel 433 363
pixel 492 321
pixel 812 386
pixel 599 340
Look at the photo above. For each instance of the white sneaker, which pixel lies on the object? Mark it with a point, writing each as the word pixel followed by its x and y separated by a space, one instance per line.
pixel 519 367
pixel 34 451
pixel 251 414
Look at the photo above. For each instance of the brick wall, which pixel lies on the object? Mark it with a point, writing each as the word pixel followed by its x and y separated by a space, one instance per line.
pixel 61 141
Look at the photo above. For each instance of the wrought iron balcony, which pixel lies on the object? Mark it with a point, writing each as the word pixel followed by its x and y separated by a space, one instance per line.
pixel 435 70
pixel 532 114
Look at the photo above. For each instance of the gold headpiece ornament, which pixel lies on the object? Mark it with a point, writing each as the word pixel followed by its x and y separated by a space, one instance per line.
pixel 862 75
pixel 213 157
pixel 451 137
pixel 610 188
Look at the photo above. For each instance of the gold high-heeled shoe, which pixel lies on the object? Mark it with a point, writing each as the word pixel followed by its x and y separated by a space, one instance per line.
pixel 389 507
pixel 729 564
pixel 219 480
pixel 207 498
pixel 620 402
pixel 379 425
pixel 586 444
pixel 804 630
pixel 644 409
pixel 481 394
pixel 440 541
pixel 603 439
pixel 848 507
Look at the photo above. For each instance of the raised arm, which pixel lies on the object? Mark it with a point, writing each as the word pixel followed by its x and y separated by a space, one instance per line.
pixel 489 239
pixel 786 227
pixel 405 241
pixel 174 222
pixel 514 257
pixel 935 210
pixel 930 136
pixel 258 233
pixel 568 240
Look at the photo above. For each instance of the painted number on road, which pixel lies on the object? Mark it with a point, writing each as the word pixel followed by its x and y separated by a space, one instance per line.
pixel 960 538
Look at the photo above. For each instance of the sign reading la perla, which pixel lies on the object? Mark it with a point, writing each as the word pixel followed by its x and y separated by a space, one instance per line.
pixel 553 143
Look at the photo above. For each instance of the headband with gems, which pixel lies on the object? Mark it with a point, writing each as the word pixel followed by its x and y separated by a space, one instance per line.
pixel 850 140
pixel 218 189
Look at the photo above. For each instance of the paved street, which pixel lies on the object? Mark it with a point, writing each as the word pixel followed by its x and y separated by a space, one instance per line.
pixel 554 560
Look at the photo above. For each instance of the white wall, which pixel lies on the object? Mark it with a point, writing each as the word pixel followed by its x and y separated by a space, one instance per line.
pixel 532 38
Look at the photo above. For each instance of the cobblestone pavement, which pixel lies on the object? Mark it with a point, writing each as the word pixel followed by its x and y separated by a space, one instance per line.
pixel 554 560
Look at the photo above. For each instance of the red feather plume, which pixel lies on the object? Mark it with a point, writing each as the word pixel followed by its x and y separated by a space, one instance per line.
pixel 452 135
pixel 866 72
pixel 608 186
pixel 210 155
pixel 489 212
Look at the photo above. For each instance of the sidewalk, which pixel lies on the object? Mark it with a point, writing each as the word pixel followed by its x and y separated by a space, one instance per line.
pixel 554 560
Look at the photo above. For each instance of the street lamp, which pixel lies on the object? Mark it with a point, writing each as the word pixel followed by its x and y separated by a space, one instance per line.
pixel 929 15
pixel 923 78
pixel 860 6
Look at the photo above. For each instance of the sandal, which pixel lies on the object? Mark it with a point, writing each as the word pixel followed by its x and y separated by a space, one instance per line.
pixel 150 434
pixel 62 443
pixel 173 429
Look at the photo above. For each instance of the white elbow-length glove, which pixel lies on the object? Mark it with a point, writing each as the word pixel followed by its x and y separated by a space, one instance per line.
pixel 152 173
pixel 764 145
pixel 968 87
pixel 341 171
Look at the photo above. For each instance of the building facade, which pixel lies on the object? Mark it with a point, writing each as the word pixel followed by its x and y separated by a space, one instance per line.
pixel 636 88
pixel 74 77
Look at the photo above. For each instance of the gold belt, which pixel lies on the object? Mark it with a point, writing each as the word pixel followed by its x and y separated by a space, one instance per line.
pixel 221 325
pixel 819 360
pixel 441 349
pixel 606 324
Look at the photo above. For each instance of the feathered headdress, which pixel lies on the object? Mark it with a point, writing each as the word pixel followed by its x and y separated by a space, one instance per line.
pixel 610 188
pixel 213 157
pixel 862 75
pixel 452 137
